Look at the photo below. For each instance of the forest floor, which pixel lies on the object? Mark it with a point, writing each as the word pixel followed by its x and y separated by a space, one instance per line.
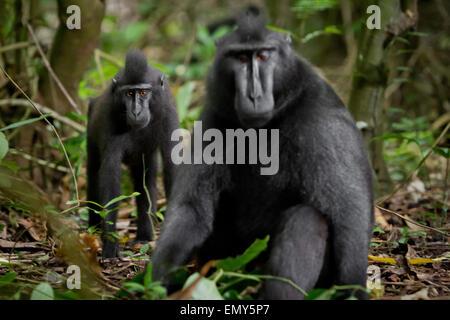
pixel 412 262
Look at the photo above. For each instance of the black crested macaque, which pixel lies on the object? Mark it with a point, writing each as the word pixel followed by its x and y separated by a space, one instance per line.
pixel 128 123
pixel 318 207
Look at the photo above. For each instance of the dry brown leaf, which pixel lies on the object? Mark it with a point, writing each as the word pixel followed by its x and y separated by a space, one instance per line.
pixel 161 202
pixel 3 233
pixel 36 228
pixel 125 212
pixel 19 245
pixel 186 294
pixel 398 271
pixel 424 276
pixel 395 278
pixel 122 224
pixel 91 243
pixel 381 220
pixel 419 295
pixel 412 226
pixel 411 253
pixel 70 223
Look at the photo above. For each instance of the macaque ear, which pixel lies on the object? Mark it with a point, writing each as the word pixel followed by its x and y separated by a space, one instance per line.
pixel 114 83
pixel 162 81
pixel 288 39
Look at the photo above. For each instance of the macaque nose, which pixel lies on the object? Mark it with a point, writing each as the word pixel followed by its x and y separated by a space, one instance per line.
pixel 136 111
pixel 255 90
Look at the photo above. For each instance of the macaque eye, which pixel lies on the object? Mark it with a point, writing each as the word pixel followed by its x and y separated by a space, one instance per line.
pixel 241 58
pixel 263 55
pixel 129 93
pixel 142 93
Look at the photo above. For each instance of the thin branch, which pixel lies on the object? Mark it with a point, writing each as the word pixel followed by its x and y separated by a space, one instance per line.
pixel 98 64
pixel 410 220
pixel 15 46
pixel 53 129
pixel 109 58
pixel 52 73
pixel 43 109
pixel 151 216
pixel 39 161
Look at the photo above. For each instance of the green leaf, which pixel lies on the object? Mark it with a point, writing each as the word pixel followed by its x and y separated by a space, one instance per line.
pixel 134 287
pixel 445 152
pixel 184 97
pixel 7 278
pixel 4 147
pixel 240 261
pixel 388 136
pixel 22 123
pixel 75 116
pixel 320 294
pixel 220 32
pixel 127 253
pixel 378 229
pixel 332 30
pixel 120 198
pixel 43 291
pixel 68 295
pixel 159 213
pixel 399 80
pixel 282 31
pixel 144 249
pixel 204 36
pixel 206 289
pixel 135 31
pixel 232 295
pixel 113 235
pixel 418 34
pixel 11 165
pixel 148 276
pixel 70 202
pixel 160 66
pixel 403 68
pixel 305 8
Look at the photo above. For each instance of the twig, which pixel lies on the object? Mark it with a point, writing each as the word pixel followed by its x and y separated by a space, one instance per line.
pixel 53 129
pixel 429 194
pixel 15 46
pixel 186 293
pixel 98 64
pixel 43 110
pixel 39 161
pixel 411 221
pixel 52 73
pixel 16 130
pixel 151 216
pixel 258 277
pixel 109 57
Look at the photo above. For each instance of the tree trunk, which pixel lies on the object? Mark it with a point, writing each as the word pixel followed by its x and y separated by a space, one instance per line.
pixel 71 52
pixel 367 102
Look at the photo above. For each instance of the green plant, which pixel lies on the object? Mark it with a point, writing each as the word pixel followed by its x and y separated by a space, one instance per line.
pixel 229 281
pixel 305 8
pixel 183 98
pixel 406 146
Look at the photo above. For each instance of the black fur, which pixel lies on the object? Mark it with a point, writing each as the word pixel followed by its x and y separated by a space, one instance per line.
pixel 114 137
pixel 318 208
